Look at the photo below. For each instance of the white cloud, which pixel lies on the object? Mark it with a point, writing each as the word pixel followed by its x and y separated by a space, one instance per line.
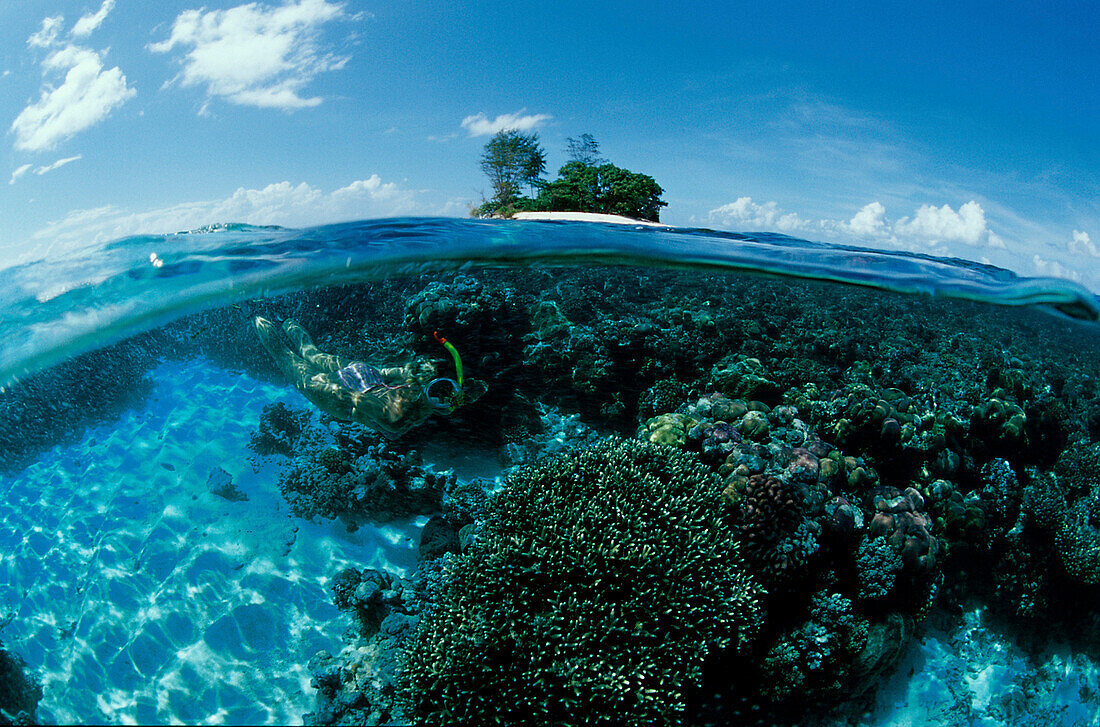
pixel 746 214
pixel 19 172
pixel 255 55
pixel 87 95
pixel 930 227
pixel 1054 269
pixel 481 125
pixel 870 221
pixel 943 224
pixel 281 203
pixel 42 169
pixel 47 35
pixel 59 163
pixel 88 23
pixel 1082 245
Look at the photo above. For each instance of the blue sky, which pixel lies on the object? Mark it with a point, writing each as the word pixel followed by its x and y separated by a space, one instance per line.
pixel 955 128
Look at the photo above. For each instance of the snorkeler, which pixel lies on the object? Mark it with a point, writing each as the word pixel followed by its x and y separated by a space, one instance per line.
pixel 391 400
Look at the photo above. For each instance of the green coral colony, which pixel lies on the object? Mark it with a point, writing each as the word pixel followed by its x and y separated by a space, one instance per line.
pixel 726 499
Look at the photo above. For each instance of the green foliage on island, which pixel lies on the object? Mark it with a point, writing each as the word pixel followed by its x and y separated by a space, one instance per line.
pixel 587 183
pixel 512 160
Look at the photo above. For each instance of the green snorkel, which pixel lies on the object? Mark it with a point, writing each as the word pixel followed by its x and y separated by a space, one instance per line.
pixel 456 398
pixel 454 354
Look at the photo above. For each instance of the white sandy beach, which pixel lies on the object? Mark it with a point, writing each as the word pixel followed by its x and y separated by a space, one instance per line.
pixel 584 217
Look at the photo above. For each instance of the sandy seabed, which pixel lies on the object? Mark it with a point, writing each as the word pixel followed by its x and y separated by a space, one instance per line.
pixel 140 597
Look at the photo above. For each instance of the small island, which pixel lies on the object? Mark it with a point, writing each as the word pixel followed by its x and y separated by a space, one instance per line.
pixel 587 186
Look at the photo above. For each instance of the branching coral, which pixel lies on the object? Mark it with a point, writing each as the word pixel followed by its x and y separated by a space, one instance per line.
pixel 1078 540
pixel 599 582
pixel 877 567
pixel 664 396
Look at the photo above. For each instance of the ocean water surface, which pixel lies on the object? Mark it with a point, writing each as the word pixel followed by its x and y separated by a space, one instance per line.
pixel 653 476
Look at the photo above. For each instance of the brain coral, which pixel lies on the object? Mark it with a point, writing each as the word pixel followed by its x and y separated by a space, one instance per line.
pixel 599 582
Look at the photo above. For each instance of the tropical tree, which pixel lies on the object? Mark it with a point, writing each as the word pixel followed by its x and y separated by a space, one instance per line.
pixel 512 160
pixel 585 149
pixel 605 188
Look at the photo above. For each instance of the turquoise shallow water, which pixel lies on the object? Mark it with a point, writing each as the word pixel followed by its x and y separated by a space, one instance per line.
pixel 141 597
pixel 952 410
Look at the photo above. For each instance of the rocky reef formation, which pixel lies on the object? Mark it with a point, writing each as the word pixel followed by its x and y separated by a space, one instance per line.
pixel 20 691
pixel 345 471
pixel 359 685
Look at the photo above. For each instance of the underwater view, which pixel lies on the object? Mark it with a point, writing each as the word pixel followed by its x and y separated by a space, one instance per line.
pixel 560 363
pixel 442 471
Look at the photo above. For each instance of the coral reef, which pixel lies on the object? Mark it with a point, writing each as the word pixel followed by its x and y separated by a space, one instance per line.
pixel 997 427
pixel 20 691
pixel 816 658
pixel 370 595
pixel 378 484
pixel 668 429
pixel 555 432
pixel 845 451
pixel 598 584
pixel 1077 530
pixel 741 377
pixel 484 321
pixel 1078 538
pixel 878 564
pixel 868 449
pixel 664 396
pixel 280 430
pixel 779 541
pixel 901 520
pixel 359 685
